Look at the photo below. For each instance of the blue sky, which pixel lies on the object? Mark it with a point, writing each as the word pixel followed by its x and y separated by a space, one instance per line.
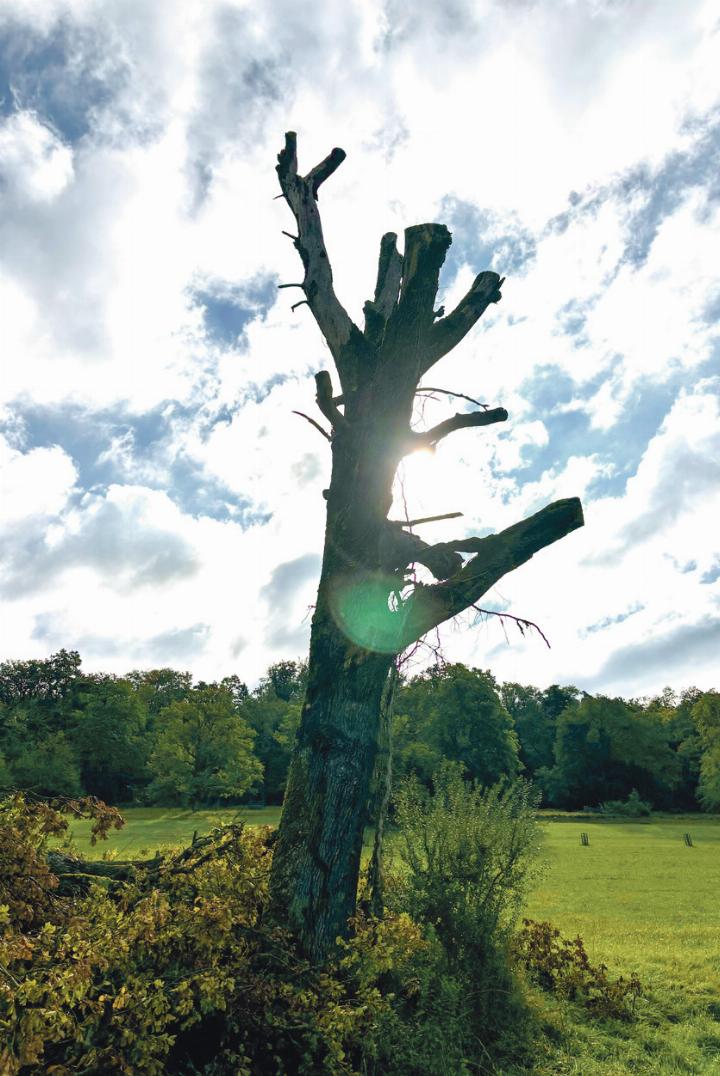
pixel 161 504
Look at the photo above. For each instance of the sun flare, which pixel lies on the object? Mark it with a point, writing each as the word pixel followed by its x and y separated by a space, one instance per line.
pixel 421 486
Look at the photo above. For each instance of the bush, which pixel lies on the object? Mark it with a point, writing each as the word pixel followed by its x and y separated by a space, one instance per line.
pixel 562 966
pixel 172 969
pixel 632 807
pixel 466 856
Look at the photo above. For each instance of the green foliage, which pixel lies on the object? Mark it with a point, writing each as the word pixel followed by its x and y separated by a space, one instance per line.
pixel 177 971
pixel 674 714
pixel 464 858
pixel 706 715
pixel 47 680
pixel 284 680
pixel 6 779
pixel 157 688
pixel 109 738
pixel 632 807
pixel 454 713
pixel 28 889
pixel 579 752
pixel 469 854
pixel 176 968
pixel 606 747
pixel 202 751
pixel 535 730
pixel 274 721
pixel 563 966
pixel 48 767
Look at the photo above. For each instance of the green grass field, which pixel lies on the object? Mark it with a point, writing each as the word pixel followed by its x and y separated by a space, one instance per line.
pixel 149 829
pixel 638 896
pixel 642 901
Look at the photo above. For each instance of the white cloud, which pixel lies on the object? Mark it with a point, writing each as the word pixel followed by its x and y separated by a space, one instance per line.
pixel 645 550
pixel 36 483
pixel 509 108
pixel 34 163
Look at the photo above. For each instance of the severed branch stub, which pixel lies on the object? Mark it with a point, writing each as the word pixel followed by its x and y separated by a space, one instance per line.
pixel 327 402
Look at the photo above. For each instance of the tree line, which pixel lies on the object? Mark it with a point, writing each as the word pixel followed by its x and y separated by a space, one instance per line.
pixel 157 737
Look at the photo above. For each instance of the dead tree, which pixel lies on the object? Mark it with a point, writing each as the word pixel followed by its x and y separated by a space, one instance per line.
pixel 365 612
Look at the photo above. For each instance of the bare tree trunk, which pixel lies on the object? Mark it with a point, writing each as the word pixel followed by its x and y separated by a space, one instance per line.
pixel 366 613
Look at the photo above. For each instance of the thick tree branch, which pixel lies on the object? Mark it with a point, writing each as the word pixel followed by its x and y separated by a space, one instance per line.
pixel 399 549
pixel 449 331
pixel 325 169
pixel 461 421
pixel 495 556
pixel 412 320
pixel 301 195
pixel 378 310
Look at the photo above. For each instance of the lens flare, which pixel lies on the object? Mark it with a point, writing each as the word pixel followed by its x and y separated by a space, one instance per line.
pixel 371 613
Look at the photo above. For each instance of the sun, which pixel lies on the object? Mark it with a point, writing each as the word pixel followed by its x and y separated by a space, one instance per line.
pixel 420 486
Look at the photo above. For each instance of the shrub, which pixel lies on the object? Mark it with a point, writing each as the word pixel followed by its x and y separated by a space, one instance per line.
pixel 173 969
pixel 466 856
pixel 562 966
pixel 632 807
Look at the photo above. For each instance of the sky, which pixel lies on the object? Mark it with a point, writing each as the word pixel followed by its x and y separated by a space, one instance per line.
pixel 160 503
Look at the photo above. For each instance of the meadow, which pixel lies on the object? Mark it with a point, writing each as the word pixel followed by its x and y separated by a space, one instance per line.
pixel 641 899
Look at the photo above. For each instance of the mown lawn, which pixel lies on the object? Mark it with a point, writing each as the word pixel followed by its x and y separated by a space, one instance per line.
pixel 638 896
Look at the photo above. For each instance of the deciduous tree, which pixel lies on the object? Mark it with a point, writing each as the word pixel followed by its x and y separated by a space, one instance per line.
pixel 203 750
pixel 455 713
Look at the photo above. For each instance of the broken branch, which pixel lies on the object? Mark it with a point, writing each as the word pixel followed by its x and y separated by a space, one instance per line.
pixel 325 169
pixel 460 421
pixel 312 422
pixel 411 321
pixel 424 519
pixel 450 330
pixel 387 288
pixel 301 195
pixel 495 556
pixel 326 402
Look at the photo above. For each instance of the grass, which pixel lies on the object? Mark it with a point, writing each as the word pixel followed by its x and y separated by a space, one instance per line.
pixel 641 900
pixel 149 829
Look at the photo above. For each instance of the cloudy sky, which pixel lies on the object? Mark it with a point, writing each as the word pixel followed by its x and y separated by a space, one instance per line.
pixel 161 505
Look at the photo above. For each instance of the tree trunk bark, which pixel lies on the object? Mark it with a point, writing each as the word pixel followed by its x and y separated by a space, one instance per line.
pixel 316 860
pixel 382 794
